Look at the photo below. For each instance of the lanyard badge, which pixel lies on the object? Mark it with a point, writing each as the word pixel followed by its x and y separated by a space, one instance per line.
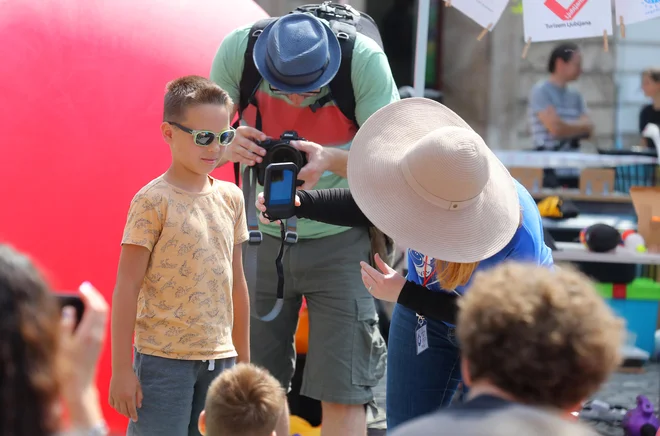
pixel 422 340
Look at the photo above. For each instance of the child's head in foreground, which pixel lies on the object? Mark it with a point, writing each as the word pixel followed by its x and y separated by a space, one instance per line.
pixel 545 337
pixel 243 401
pixel 196 123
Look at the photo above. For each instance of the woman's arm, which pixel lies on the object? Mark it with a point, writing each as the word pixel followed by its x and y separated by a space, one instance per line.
pixel 331 206
pixel 440 306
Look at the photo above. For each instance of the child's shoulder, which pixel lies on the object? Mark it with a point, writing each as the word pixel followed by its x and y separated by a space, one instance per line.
pixel 153 190
pixel 228 189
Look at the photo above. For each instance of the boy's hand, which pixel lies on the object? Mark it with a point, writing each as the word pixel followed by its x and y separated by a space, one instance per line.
pixel 125 393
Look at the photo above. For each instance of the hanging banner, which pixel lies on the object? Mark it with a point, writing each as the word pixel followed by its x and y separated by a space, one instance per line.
pixel 552 20
pixel 635 11
pixel 486 13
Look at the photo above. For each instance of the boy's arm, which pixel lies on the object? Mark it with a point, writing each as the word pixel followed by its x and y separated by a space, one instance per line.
pixel 133 262
pixel 241 301
pixel 142 230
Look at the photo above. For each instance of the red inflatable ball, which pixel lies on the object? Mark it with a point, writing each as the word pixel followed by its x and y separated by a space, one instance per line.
pixel 81 85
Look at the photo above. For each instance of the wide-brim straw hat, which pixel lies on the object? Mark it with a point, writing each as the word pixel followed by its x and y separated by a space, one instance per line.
pixel 430 182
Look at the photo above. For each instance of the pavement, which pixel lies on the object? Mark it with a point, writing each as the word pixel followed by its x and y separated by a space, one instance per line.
pixel 621 389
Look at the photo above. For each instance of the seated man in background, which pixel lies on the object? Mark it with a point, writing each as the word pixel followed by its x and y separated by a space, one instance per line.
pixel 558 113
pixel 242 401
pixel 529 335
pixel 650 113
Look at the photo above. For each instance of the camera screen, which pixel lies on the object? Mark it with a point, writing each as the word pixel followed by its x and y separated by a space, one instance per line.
pixel 281 183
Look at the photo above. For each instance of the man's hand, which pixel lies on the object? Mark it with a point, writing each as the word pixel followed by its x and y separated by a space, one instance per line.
pixel 549 115
pixel 243 148
pixel 319 160
pixel 561 129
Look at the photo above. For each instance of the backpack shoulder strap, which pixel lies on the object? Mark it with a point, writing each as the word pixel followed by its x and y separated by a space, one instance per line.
pixel 251 78
pixel 341 86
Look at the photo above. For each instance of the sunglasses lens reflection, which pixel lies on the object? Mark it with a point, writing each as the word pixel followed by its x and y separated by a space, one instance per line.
pixel 204 138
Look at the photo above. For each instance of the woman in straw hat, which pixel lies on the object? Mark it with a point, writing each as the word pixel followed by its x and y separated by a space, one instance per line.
pixel 419 173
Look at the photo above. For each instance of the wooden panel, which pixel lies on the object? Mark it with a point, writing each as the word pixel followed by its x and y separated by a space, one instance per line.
pixel 597 181
pixel 530 178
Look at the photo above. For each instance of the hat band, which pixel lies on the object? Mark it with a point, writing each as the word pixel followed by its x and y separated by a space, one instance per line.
pixel 295 79
pixel 431 198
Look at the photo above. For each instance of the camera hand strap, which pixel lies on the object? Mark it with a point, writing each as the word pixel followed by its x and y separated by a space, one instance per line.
pixel 251 247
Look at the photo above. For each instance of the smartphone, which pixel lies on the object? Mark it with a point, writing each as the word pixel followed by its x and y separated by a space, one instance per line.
pixel 73 300
pixel 280 190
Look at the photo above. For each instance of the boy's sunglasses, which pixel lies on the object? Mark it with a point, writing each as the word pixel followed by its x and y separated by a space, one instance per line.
pixel 204 138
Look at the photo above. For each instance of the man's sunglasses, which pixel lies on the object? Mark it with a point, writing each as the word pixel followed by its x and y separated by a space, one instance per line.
pixel 304 94
pixel 204 138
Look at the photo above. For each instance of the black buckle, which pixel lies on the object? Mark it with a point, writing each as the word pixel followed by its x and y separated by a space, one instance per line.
pixel 290 237
pixel 255 237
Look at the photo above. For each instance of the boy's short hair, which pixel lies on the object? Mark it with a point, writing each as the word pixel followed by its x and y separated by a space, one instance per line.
pixel 188 91
pixel 244 401
pixel 544 336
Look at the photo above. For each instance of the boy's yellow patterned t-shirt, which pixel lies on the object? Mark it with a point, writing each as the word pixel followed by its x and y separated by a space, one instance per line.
pixel 185 304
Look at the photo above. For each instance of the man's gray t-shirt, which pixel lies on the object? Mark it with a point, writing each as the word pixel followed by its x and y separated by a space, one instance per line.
pixel 568 103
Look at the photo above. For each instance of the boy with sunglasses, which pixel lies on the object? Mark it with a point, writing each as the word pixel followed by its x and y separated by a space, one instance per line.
pixel 180 284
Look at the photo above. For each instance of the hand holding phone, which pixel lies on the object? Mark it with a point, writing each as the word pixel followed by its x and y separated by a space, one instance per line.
pixel 79 350
pixel 70 299
pixel 280 190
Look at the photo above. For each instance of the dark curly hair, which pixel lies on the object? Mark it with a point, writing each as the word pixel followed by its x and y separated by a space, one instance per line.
pixel 29 322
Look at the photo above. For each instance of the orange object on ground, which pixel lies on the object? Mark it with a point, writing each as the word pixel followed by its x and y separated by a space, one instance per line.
pixel 302 333
pixel 300 427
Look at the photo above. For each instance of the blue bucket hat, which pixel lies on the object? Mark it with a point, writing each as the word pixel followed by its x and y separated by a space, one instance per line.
pixel 297 53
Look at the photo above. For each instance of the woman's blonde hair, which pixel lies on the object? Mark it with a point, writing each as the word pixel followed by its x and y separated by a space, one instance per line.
pixel 451 275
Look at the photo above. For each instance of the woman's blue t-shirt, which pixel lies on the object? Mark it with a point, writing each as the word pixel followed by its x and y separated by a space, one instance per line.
pixel 527 245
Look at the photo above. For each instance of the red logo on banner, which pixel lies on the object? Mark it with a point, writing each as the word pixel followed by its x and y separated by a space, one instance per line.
pixel 565 13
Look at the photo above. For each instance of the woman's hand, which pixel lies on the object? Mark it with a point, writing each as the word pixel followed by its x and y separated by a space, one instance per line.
pixel 385 285
pixel 261 207
pixel 79 353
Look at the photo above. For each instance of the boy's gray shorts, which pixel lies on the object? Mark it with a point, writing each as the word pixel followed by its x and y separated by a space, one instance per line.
pixel 174 394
